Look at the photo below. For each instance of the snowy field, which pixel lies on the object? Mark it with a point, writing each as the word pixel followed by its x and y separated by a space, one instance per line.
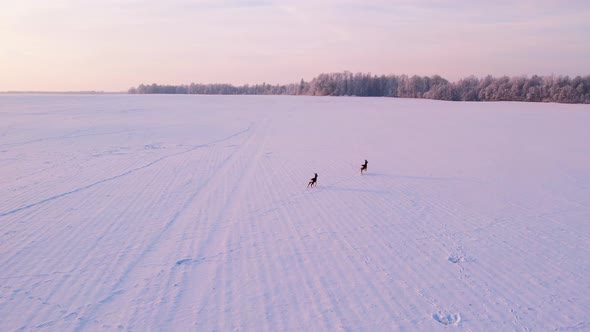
pixel 191 213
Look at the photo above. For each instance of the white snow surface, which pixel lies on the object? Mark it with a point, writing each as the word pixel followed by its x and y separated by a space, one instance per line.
pixel 191 213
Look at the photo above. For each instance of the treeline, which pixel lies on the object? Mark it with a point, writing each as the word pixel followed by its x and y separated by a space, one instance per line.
pixel 561 89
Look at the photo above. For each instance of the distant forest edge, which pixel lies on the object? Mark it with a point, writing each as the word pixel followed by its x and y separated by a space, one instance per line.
pixel 560 89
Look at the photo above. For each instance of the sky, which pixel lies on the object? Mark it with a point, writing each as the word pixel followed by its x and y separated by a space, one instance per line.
pixel 112 45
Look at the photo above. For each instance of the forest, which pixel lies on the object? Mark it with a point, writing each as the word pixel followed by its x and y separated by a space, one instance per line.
pixel 560 89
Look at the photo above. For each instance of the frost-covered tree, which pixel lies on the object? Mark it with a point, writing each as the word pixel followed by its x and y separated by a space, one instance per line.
pixel 534 89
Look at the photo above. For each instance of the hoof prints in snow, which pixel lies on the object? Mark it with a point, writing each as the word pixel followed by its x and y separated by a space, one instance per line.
pixel 71 316
pixel 182 261
pixel 110 297
pixel 450 319
pixel 189 260
pixel 456 259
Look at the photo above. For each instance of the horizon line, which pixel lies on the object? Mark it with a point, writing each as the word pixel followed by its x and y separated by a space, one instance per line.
pixel 274 84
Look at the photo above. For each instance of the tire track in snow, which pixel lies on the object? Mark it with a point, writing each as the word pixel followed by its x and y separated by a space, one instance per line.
pixel 118 176
pixel 113 227
pixel 85 260
pixel 241 190
pixel 220 228
pixel 66 136
pixel 308 287
pixel 167 228
pixel 153 293
pixel 261 262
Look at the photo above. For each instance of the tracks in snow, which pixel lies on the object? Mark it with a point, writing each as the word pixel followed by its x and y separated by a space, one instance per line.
pixel 192 217
pixel 132 256
pixel 2 214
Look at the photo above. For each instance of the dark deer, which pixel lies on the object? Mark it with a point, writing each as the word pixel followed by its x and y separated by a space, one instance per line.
pixel 314 181
pixel 364 166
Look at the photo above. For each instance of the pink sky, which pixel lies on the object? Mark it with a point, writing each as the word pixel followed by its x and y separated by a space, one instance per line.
pixel 112 45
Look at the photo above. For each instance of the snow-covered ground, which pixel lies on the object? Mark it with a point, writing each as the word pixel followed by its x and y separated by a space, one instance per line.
pixel 191 213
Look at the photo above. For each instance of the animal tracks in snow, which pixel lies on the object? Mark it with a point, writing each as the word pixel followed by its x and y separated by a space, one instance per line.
pixel 456 259
pixel 206 259
pixel 182 261
pixel 189 261
pixel 71 316
pixel 459 258
pixel 447 319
